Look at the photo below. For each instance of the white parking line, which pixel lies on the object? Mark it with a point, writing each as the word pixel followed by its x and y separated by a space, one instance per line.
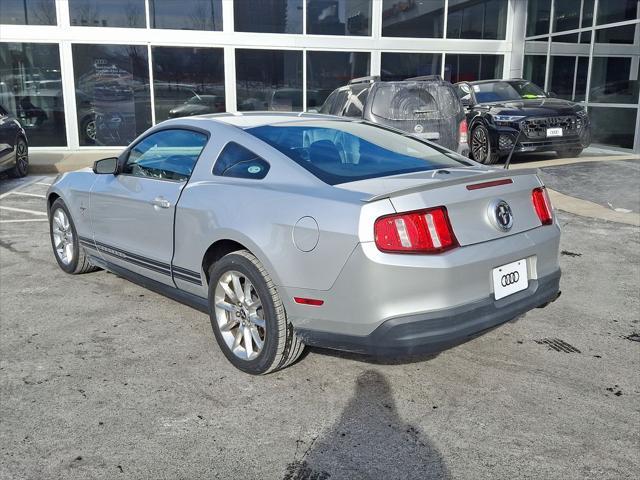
pixel 23 210
pixel 24 220
pixel 17 192
pixel 43 183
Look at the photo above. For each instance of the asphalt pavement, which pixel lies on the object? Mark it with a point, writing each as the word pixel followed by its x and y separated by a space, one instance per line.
pixel 100 378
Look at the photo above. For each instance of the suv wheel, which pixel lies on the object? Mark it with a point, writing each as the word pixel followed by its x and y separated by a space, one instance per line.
pixel 481 150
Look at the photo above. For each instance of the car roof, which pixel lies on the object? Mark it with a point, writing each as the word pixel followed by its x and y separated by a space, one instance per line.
pixel 256 119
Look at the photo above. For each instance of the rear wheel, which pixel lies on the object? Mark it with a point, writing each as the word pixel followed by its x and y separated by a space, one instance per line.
pixel 69 254
pixel 22 159
pixel 569 153
pixel 481 150
pixel 247 316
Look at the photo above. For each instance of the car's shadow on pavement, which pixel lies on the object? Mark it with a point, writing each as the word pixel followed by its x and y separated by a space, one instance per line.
pixel 370 441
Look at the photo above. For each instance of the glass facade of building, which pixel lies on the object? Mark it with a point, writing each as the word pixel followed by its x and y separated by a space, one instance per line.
pixel 109 69
pixel 589 52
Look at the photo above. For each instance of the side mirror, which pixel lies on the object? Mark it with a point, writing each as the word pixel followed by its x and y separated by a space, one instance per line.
pixel 466 102
pixel 106 166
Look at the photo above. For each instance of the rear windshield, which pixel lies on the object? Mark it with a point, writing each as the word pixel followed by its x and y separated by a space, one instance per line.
pixel 412 101
pixel 501 91
pixel 340 152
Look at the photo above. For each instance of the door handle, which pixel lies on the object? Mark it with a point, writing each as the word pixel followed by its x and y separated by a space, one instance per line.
pixel 161 202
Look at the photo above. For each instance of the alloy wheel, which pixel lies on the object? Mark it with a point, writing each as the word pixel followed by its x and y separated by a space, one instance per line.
pixel 240 315
pixel 479 145
pixel 90 130
pixel 62 236
pixel 22 157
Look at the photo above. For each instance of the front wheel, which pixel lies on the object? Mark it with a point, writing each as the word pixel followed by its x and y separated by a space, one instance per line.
pixel 481 150
pixel 69 254
pixel 22 159
pixel 248 317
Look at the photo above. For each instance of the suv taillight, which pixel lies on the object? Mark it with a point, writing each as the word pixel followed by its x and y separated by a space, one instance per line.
pixel 542 205
pixel 462 131
pixel 422 231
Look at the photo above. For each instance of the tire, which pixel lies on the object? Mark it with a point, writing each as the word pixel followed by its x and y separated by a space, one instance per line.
pixel 569 153
pixel 88 130
pixel 236 322
pixel 22 159
pixel 481 150
pixel 75 259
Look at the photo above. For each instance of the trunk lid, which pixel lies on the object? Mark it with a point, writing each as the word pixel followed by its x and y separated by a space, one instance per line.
pixel 471 196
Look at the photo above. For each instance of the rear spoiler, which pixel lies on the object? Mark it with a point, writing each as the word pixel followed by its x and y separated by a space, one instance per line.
pixel 479 178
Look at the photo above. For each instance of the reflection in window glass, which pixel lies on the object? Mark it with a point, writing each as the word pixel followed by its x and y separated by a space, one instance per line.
pixel 472 19
pixel 399 66
pixel 38 12
pixel 581 79
pixel 538 15
pixel 31 90
pixel 585 37
pixel 620 35
pixel 413 18
pixel 458 68
pixel 187 81
pixel 569 38
pixel 566 15
pixel 610 81
pixel 339 17
pixel 613 126
pixel 112 93
pixel 587 13
pixel 269 80
pixel 268 16
pixel 327 71
pixel 617 11
pixel 561 73
pixel 534 69
pixel 181 15
pixel 107 13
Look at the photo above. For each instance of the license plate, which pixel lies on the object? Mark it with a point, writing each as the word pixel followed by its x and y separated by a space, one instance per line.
pixel 510 278
pixel 554 132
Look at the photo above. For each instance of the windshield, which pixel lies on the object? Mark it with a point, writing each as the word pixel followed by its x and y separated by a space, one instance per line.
pixel 500 91
pixel 339 152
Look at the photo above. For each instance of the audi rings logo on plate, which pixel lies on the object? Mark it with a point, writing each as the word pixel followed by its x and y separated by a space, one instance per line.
pixel 500 215
pixel 509 279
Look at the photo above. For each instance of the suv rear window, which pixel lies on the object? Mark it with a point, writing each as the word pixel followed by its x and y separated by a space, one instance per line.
pixel 412 101
pixel 340 152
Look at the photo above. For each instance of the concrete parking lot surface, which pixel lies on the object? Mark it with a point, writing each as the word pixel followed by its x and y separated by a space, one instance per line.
pixel 101 378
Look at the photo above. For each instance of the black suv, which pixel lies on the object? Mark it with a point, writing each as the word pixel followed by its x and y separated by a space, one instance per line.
pixel 426 107
pixel 504 113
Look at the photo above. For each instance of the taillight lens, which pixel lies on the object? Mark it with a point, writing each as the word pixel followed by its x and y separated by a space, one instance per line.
pixel 462 131
pixel 422 231
pixel 542 205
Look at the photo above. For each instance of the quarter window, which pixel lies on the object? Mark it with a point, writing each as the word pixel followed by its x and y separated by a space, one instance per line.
pixel 166 155
pixel 239 162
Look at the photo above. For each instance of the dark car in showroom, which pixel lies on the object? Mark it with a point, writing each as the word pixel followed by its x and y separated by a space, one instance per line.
pixel 426 107
pixel 517 115
pixel 14 149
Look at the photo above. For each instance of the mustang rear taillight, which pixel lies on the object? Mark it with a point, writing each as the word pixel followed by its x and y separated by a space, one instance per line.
pixel 542 205
pixel 462 131
pixel 422 231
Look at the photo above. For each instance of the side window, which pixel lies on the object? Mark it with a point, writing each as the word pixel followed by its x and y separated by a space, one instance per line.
pixel 236 161
pixel 357 99
pixel 340 102
pixel 166 155
pixel 326 106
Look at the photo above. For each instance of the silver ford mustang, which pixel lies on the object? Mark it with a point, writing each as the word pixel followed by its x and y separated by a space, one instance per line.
pixel 304 229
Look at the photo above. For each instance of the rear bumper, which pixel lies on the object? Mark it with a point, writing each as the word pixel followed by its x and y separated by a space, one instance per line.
pixel 436 331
